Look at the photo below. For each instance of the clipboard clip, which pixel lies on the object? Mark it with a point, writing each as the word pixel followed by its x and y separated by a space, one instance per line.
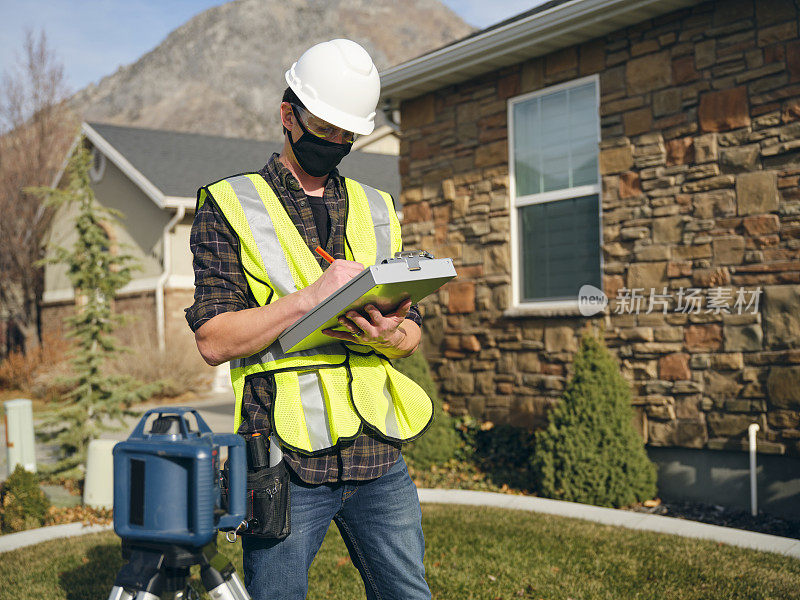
pixel 410 257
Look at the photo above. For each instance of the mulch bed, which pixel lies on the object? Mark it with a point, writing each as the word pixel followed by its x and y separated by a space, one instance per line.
pixel 465 476
pixel 726 517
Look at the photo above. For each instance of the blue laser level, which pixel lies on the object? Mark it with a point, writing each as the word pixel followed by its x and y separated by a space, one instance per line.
pixel 166 480
pixel 168 507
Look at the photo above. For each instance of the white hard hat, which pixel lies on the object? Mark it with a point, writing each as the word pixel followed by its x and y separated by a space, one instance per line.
pixel 338 82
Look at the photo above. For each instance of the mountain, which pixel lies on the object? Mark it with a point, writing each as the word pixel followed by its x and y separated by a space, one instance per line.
pixel 222 72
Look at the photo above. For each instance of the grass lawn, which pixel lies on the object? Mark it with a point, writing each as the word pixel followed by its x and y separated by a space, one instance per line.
pixel 472 553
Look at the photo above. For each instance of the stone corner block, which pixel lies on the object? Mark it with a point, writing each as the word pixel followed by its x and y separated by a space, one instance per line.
pixel 781 312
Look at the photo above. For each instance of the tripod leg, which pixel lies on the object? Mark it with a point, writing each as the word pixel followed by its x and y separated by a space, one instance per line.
pixel 219 576
pixel 120 593
pixel 237 587
pixel 221 587
pixel 140 578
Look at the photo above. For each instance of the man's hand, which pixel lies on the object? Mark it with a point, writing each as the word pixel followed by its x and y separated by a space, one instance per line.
pixel 382 332
pixel 335 276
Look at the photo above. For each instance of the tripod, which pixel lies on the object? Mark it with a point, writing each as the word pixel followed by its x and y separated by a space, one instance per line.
pixel 156 571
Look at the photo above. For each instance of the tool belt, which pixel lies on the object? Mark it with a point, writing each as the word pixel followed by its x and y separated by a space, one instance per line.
pixel 268 499
pixel 268 502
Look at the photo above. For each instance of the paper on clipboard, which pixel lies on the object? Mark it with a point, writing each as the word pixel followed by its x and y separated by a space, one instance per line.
pixel 385 286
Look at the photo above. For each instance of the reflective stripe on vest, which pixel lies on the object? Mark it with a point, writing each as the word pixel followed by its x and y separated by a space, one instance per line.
pixel 263 230
pixel 380 220
pixel 322 395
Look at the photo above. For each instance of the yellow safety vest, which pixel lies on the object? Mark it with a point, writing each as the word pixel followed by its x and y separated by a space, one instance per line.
pixel 322 395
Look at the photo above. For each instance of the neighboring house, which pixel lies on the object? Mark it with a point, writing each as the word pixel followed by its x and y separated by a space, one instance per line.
pixel 151 177
pixel 633 145
pixel 384 140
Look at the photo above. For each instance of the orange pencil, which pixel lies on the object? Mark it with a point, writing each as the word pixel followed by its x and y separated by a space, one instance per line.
pixel 323 254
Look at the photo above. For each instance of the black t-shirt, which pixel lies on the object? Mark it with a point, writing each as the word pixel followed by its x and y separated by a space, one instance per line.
pixel 321 218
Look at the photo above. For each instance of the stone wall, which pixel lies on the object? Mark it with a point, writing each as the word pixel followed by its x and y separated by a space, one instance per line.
pixel 700 161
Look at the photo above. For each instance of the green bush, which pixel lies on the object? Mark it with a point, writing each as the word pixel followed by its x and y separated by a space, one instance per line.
pixel 590 451
pixel 441 441
pixel 23 505
pixel 501 451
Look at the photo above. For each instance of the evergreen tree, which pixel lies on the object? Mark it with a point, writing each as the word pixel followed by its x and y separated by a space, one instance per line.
pixel 590 452
pixel 97 398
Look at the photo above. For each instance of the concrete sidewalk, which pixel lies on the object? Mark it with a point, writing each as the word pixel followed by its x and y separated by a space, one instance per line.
pixel 618 518
pixel 216 409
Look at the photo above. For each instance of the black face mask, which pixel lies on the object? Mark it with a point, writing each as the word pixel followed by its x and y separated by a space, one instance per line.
pixel 316 156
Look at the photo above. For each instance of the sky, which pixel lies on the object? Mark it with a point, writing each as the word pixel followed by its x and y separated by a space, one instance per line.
pixel 92 38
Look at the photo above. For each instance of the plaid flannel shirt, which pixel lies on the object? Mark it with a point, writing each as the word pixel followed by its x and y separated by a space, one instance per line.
pixel 220 286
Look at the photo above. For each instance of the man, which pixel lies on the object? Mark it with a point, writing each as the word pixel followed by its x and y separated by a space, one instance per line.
pixel 339 412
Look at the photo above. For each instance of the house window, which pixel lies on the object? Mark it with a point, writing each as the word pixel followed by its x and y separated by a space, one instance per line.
pixel 554 138
pixel 98 167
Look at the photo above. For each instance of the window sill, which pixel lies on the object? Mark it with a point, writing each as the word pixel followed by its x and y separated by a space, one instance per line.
pixel 545 309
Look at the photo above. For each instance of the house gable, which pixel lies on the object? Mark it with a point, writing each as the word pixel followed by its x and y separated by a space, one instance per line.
pixel 139 231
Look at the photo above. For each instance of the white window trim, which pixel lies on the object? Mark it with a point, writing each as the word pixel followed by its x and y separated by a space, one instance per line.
pixel 565 194
pixel 546 306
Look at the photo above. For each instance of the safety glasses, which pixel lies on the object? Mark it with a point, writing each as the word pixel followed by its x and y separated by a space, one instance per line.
pixel 322 129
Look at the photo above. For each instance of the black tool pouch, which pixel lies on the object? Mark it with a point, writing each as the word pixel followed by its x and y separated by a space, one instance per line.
pixel 268 502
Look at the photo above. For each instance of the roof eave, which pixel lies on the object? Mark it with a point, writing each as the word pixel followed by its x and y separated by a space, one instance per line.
pixel 124 165
pixel 136 176
pixel 564 25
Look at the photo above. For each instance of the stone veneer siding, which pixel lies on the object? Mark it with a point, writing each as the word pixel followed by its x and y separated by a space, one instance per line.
pixel 700 159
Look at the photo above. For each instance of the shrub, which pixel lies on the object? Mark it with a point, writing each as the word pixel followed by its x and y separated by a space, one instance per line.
pixel 441 442
pixel 23 505
pixel 501 451
pixel 16 371
pixel 590 451
pixel 21 370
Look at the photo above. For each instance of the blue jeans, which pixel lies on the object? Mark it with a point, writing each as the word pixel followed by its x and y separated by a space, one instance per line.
pixel 380 522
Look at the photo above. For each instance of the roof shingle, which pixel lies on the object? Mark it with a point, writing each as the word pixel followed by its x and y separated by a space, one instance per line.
pixel 179 163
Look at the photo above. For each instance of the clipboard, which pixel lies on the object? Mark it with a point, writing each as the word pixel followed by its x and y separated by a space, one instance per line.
pixel 408 275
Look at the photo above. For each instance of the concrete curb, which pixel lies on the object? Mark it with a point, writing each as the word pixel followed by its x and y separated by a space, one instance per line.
pixel 619 518
pixel 14 541
pixel 606 516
